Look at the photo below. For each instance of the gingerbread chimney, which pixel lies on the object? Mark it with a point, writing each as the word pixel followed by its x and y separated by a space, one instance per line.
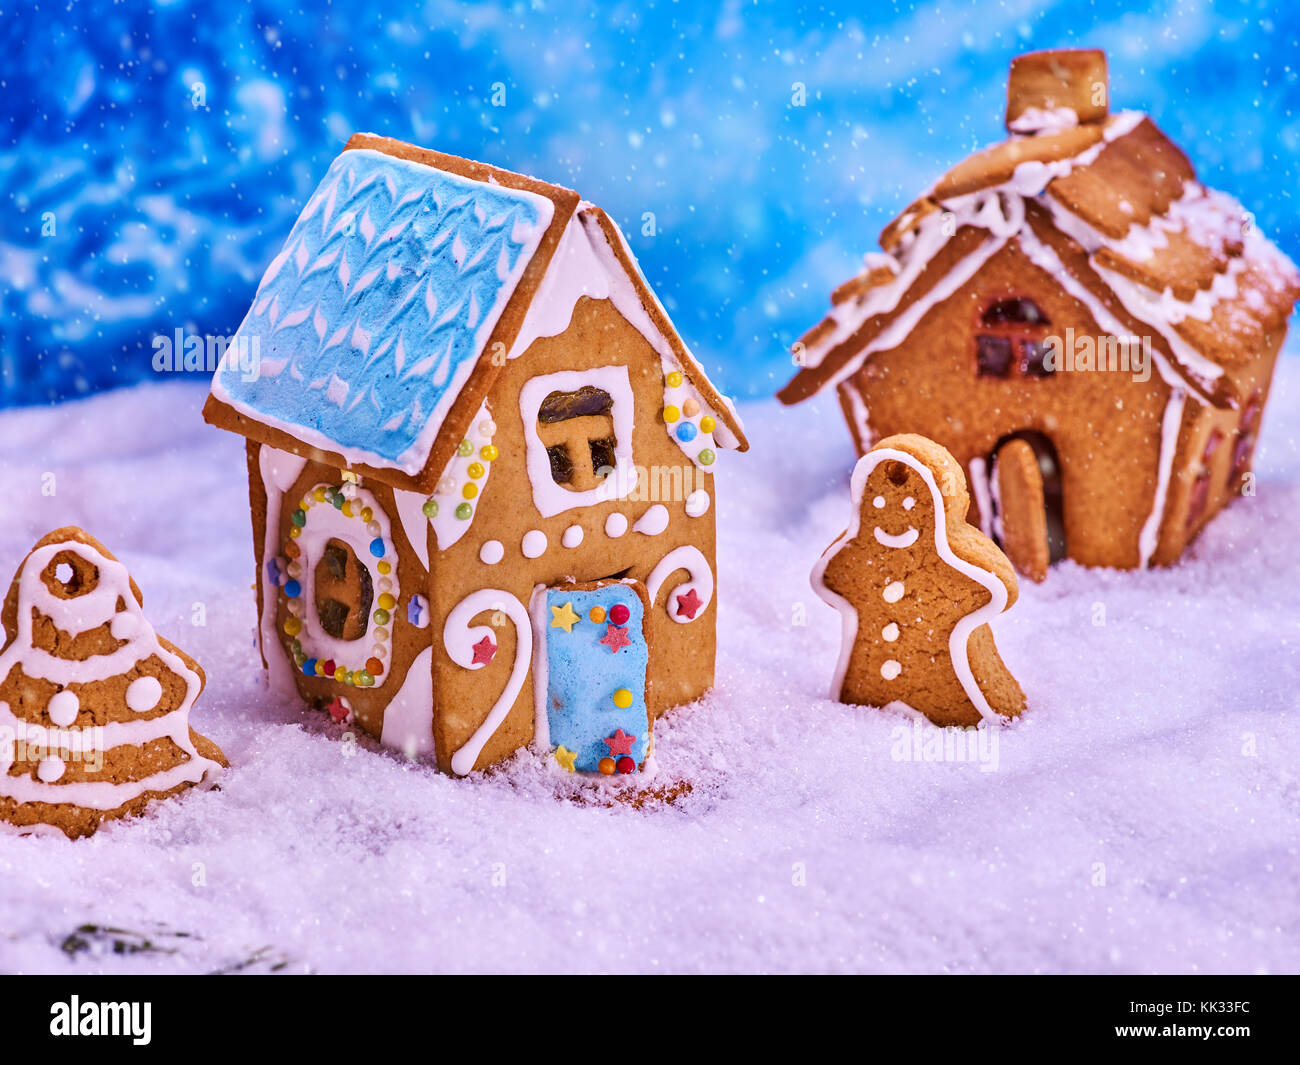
pixel 1057 89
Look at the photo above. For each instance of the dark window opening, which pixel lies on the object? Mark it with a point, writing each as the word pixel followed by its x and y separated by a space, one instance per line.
pixel 577 430
pixel 1009 341
pixel 344 592
pixel 1017 311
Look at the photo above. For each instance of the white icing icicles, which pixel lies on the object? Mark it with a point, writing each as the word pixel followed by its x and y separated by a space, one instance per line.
pixel 95 591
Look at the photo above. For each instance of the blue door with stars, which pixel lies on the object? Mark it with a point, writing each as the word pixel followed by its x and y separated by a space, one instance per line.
pixel 596 664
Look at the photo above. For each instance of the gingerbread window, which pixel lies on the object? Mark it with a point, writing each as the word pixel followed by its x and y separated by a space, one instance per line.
pixel 1010 339
pixel 577 429
pixel 344 592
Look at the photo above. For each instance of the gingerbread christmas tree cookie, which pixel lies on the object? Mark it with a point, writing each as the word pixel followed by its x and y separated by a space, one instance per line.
pixel 94 705
pixel 916 586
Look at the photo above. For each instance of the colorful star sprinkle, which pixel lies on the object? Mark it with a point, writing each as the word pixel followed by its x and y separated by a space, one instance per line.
pixel 484 650
pixel 566 758
pixel 564 617
pixel 616 638
pixel 620 743
pixel 688 605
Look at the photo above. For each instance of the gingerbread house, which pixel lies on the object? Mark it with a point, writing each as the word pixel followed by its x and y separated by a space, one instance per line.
pixel 481 467
pixel 1073 290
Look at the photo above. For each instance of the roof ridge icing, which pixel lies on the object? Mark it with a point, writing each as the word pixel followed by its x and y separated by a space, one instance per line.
pixel 871 314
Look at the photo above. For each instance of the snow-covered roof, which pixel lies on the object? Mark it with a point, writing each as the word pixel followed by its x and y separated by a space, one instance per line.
pixel 1113 211
pixel 373 315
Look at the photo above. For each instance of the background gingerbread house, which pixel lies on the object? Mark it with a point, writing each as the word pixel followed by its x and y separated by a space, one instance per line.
pixel 1084 238
pixel 469 414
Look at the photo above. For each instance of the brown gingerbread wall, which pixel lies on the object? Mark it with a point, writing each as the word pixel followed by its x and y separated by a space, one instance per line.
pixel 1105 425
pixel 682 655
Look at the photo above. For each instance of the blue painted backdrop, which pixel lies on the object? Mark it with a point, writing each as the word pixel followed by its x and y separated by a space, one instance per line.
pixel 152 159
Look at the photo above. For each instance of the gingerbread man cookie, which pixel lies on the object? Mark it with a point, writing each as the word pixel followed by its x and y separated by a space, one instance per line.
pixel 916 586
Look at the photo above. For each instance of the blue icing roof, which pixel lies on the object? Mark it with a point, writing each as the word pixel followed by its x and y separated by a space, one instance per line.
pixel 371 318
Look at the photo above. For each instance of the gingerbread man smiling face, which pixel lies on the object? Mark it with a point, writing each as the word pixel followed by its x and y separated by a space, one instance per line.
pixel 916 586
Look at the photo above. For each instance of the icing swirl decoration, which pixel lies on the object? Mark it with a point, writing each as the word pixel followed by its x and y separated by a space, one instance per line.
pixel 327 514
pixel 687 601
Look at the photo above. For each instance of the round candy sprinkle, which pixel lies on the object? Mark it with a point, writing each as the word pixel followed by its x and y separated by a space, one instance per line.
pixel 385 584
pixel 464 511
pixel 476 470
pixel 626 765
pixel 318 493
pixel 671 414
pixel 339 673
pixel 294 607
pixel 385 566
pixel 293 589
pixel 381 616
pixel 487 427
pixel 380 633
pixel 387 602
pixel 347 509
pixel 292 626
pixel 446 486
pixel 373 528
pixel 377 547
pixel 430 508
pixel 367 515
pixel 338 501
pixel 706 456
pixel 686 432
pixel 690 408
pixel 309 667
pixel 606 766
pixel 469 491
pixel 299 517
pixel 707 424
pixel 292 550
pixel 622 698
pixel 619 614
pixel 490 453
pixel 374 667
pixel 675 379
pixel 326 668
pixel 294 531
pixel 597 614
pixel 364 679
pixel 466 449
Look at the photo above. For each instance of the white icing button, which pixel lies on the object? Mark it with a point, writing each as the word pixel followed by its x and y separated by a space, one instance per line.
pixel 891 669
pixel 893 591
pixel 50 769
pixel 64 707
pixel 492 552
pixel 889 632
pixel 697 503
pixel 909 503
pixel 143 694
pixel 534 543
pixel 616 525
pixel 572 536
pixel 878 502
pixel 125 626
pixel 653 521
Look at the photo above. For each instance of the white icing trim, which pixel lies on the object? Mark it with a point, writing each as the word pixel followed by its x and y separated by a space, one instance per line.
pixel 1170 424
pixel 653 521
pixel 906 539
pixel 408 717
pixel 459 637
pixel 958 650
pixel 279 470
pixel 549 497
pixel 697 503
pixel 979 483
pixel 541 670
pixel 410 512
pixel 76 616
pixel 701 580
